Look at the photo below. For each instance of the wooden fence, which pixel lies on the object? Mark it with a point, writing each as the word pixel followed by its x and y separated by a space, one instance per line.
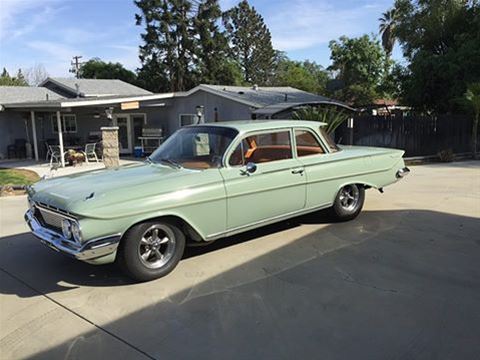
pixel 417 135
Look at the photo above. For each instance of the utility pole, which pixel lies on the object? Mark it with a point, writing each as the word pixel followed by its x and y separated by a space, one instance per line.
pixel 76 65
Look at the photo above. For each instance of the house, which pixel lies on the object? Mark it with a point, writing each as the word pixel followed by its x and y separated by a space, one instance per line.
pixel 386 107
pixel 70 112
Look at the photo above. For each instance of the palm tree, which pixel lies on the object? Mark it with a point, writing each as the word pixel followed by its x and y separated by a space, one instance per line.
pixel 329 115
pixel 472 96
pixel 387 25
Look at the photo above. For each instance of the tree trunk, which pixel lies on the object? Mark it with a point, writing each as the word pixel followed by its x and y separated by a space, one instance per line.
pixel 474 136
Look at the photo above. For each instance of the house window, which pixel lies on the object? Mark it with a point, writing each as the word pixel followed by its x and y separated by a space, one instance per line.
pixel 69 123
pixel 188 119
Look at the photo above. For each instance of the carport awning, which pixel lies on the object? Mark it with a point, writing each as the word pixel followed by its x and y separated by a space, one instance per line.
pixel 59 104
pixel 274 109
pixel 63 104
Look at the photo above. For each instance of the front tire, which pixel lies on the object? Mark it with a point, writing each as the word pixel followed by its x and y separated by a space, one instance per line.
pixel 150 250
pixel 348 203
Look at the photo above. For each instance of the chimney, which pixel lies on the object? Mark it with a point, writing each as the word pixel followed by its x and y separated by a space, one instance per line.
pixel 255 87
pixel 77 88
pixel 286 97
pixel 46 97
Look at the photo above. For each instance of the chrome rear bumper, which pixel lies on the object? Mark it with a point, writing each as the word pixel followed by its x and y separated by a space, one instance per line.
pixel 90 250
pixel 402 172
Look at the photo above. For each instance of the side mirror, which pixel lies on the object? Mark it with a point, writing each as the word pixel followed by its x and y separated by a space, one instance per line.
pixel 250 168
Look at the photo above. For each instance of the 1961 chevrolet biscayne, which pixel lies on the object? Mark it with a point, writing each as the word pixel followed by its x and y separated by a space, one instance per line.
pixel 205 182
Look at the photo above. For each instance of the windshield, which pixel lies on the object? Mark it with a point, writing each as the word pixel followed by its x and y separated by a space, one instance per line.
pixel 195 147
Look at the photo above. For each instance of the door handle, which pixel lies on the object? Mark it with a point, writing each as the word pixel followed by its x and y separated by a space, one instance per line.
pixel 298 171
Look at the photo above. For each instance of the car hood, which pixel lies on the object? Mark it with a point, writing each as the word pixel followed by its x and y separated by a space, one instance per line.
pixel 82 193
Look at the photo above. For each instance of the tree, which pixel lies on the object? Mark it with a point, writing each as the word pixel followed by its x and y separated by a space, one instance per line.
pixel 472 96
pixel 329 115
pixel 97 69
pixel 36 75
pixel 440 39
pixel 168 42
pixel 7 80
pixel 306 75
pixel 21 78
pixel 211 51
pixel 359 67
pixel 250 42
pixel 152 76
pixel 387 30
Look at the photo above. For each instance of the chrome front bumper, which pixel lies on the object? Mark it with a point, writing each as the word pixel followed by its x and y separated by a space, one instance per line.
pixel 90 250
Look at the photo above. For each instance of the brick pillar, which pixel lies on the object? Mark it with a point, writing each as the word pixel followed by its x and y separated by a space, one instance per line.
pixel 111 155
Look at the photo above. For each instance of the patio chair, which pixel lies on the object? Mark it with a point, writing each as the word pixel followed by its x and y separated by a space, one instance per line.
pixel 49 151
pixel 55 154
pixel 90 152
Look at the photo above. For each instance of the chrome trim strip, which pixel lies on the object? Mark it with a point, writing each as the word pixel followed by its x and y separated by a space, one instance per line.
pixel 264 222
pixel 92 249
pixel 55 211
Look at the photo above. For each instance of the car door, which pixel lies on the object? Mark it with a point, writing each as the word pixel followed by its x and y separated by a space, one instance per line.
pixel 320 170
pixel 275 188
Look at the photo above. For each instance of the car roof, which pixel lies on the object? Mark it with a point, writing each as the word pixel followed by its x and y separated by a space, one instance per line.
pixel 254 125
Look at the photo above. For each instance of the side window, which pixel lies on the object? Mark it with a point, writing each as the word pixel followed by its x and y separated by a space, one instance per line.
pixel 262 148
pixel 307 143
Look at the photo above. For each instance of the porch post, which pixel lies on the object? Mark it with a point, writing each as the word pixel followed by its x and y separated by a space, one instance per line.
pixel 34 130
pixel 60 137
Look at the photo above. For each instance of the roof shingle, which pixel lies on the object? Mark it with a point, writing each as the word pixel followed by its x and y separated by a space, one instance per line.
pixel 97 87
pixel 19 94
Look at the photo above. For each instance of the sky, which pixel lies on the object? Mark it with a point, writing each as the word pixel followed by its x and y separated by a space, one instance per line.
pixel 50 32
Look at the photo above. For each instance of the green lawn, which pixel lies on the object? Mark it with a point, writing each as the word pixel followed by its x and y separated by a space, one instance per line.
pixel 17 177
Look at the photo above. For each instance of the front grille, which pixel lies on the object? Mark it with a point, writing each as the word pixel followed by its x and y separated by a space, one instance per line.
pixel 51 219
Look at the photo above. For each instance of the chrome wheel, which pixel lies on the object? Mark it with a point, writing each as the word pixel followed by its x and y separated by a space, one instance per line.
pixel 156 246
pixel 349 197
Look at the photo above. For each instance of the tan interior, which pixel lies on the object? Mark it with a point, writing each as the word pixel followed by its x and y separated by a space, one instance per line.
pixel 268 153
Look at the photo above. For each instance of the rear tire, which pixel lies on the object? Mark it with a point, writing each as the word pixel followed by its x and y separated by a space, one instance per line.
pixel 150 250
pixel 348 203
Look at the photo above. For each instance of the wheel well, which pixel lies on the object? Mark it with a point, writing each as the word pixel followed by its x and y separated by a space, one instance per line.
pixel 188 230
pixel 365 186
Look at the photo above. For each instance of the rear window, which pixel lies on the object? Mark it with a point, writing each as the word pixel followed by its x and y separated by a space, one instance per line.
pixel 307 144
pixel 328 139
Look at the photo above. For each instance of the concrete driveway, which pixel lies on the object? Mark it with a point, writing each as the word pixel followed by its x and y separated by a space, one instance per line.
pixel 402 281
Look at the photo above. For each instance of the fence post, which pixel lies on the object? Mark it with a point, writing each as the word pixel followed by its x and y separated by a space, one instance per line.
pixel 350 130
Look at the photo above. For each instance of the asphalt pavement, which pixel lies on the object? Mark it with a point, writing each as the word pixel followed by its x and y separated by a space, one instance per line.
pixel 402 281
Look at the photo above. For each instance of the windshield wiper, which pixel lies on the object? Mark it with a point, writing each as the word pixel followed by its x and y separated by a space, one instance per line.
pixel 171 162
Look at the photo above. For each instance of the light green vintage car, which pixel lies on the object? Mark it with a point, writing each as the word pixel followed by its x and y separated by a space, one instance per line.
pixel 205 182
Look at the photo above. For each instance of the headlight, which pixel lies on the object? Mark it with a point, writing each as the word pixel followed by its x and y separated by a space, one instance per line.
pixel 77 234
pixel 66 229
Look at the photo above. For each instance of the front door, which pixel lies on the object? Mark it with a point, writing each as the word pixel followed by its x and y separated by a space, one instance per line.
pixel 124 133
pixel 276 188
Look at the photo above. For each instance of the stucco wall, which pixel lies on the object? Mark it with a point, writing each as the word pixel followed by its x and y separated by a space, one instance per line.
pixel 226 109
